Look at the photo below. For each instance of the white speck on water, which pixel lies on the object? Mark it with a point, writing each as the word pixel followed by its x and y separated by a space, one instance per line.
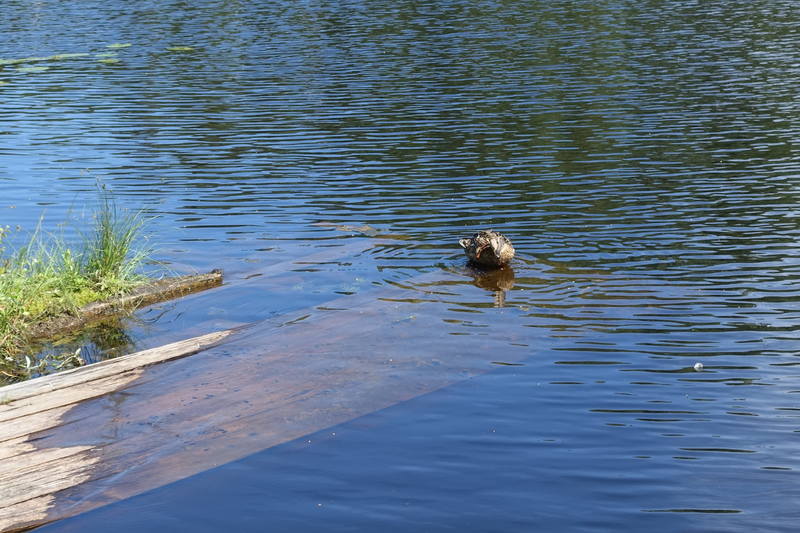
pixel 698 367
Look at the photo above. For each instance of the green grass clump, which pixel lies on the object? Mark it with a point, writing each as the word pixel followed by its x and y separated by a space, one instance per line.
pixel 46 278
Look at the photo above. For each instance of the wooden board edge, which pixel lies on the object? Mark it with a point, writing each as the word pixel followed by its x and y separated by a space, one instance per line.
pixel 109 367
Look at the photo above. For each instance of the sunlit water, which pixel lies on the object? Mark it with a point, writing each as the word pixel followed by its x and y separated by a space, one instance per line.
pixel 641 155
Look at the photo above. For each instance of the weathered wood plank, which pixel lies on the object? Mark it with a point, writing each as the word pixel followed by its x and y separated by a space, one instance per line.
pixel 14 447
pixel 30 425
pixel 47 478
pixel 25 515
pixel 271 383
pixel 69 395
pixel 41 460
pixel 11 394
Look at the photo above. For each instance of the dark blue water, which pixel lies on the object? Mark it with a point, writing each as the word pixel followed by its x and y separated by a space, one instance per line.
pixel 641 155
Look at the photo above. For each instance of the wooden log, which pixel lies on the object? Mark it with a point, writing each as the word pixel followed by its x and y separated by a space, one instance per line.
pixel 147 294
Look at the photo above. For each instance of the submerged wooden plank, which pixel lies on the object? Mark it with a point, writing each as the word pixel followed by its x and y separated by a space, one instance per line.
pixel 336 251
pixel 11 395
pixel 82 428
pixel 271 383
pixel 239 307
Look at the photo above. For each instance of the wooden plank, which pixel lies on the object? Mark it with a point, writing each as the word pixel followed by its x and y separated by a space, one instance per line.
pixel 17 446
pixel 48 477
pixel 10 395
pixel 10 432
pixel 270 383
pixel 69 395
pixel 27 514
pixel 336 251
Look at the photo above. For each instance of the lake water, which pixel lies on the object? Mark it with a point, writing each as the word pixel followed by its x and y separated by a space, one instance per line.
pixel 642 156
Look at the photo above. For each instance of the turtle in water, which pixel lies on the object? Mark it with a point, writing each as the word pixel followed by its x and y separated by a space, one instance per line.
pixel 488 249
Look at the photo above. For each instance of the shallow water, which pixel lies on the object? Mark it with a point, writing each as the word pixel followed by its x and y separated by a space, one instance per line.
pixel 640 155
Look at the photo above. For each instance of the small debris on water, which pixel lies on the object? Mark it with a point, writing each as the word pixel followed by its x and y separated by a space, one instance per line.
pixel 698 367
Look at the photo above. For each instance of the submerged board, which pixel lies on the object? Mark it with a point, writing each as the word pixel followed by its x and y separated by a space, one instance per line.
pixel 75 441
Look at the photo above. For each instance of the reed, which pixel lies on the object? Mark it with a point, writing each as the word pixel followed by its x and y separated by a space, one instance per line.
pixel 46 277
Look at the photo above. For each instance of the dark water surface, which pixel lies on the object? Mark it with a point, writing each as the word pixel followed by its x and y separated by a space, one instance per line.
pixel 641 155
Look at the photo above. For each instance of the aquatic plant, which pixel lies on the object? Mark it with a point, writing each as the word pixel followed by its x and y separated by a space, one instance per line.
pixel 56 57
pixel 23 64
pixel 110 253
pixel 31 69
pixel 46 278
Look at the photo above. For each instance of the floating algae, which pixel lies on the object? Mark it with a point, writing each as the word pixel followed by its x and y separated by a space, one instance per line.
pixel 106 54
pixel 109 61
pixel 30 70
pixel 65 56
pixel 116 46
pixel 56 57
pixel 180 49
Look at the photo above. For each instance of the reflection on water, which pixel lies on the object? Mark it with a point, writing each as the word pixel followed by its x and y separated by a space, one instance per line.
pixel 498 281
pixel 640 156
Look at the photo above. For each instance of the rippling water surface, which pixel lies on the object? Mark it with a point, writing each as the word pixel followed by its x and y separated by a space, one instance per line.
pixel 641 155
